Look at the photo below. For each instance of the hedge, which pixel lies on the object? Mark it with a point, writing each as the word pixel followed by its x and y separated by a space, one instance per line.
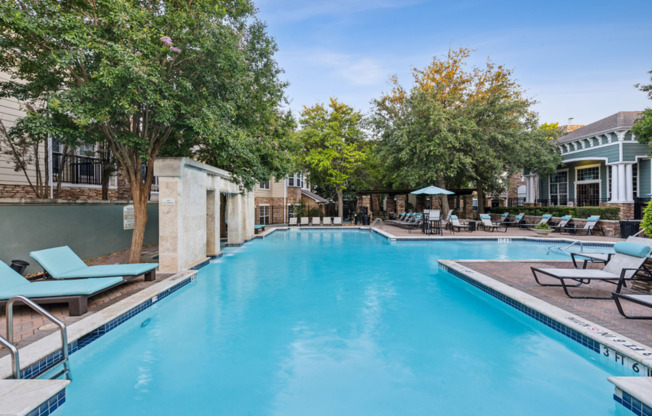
pixel 605 213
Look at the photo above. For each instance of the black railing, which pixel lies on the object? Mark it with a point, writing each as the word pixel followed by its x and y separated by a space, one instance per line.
pixel 77 169
pixel 639 206
pixel 580 202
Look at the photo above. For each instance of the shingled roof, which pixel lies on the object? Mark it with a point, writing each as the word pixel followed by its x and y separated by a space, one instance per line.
pixel 314 196
pixel 620 120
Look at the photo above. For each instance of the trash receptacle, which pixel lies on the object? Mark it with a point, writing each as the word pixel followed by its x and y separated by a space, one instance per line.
pixel 19 266
pixel 365 219
pixel 629 228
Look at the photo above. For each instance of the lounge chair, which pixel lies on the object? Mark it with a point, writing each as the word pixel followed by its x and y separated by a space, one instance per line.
pixel 63 263
pixel 588 227
pixel 73 292
pixel 337 221
pixel 448 215
pixel 293 222
pixel 327 221
pixel 605 256
pixel 305 221
pixel 504 218
pixel 563 222
pixel 455 223
pixel 544 220
pixel 259 228
pixel 628 259
pixel 488 224
pixel 316 221
pixel 434 214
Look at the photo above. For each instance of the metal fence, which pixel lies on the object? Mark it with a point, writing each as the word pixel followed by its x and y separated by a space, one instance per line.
pixel 77 169
pixel 639 207
pixel 580 202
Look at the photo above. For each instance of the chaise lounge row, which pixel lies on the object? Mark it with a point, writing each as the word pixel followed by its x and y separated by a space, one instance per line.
pixel 316 221
pixel 73 282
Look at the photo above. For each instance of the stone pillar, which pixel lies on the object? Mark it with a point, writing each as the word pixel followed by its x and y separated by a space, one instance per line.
pixel 629 183
pixel 366 202
pixel 212 223
pixel 249 210
pixel 529 189
pixel 614 184
pixel 235 219
pixel 400 204
pixel 622 187
pixel 391 205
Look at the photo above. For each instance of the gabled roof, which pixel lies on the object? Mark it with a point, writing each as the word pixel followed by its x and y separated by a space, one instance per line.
pixel 618 121
pixel 314 196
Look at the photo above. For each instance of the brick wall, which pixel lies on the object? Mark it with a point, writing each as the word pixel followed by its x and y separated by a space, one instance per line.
pixel 626 210
pixel 276 208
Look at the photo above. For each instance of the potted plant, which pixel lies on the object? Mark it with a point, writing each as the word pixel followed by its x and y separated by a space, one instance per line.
pixel 542 229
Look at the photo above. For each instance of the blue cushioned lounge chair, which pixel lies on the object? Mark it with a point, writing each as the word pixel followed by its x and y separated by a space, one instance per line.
pixel 629 258
pixel 73 292
pixel 63 263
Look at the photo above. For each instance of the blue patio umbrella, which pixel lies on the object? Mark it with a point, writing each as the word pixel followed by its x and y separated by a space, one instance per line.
pixel 432 190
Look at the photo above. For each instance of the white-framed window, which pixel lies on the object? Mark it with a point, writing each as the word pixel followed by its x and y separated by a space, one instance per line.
pixel 635 179
pixel 587 174
pixel 263 185
pixel 558 188
pixel 293 211
pixel 587 185
pixel 263 214
pixel 609 173
pixel 296 180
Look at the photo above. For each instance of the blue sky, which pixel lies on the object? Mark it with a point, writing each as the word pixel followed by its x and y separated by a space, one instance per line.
pixel 579 59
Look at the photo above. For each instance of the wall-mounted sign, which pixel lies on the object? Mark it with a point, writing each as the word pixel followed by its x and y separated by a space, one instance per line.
pixel 167 201
pixel 128 217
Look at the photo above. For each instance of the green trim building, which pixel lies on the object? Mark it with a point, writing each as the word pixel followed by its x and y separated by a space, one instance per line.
pixel 603 165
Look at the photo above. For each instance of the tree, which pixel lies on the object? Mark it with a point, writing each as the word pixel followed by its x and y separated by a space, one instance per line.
pixel 331 145
pixel 142 73
pixel 458 126
pixel 642 128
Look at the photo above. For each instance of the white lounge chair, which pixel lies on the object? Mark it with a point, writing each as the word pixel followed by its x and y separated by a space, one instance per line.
pixel 293 222
pixel 337 220
pixel 629 258
pixel 605 256
pixel 304 221
pixel 455 223
pixel 488 224
pixel 588 227
pixel 316 221
pixel 327 221
pixel 562 223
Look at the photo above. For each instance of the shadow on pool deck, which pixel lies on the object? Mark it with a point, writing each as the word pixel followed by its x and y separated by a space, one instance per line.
pixel 29 326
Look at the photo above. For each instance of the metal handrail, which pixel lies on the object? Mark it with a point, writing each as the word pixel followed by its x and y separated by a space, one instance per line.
pixel 62 328
pixel 565 249
pixel 374 223
pixel 15 361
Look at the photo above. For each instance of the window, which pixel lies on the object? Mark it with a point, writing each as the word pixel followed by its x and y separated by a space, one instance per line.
pixel 263 185
pixel 559 188
pixel 263 214
pixel 588 174
pixel 79 166
pixel 635 179
pixel 294 210
pixel 296 180
pixel 609 173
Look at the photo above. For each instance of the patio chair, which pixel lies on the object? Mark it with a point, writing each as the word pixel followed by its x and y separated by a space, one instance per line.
pixel 337 221
pixel 628 259
pixel 448 215
pixel 434 214
pixel 304 221
pixel 504 218
pixel 73 292
pixel 563 222
pixel 605 256
pixel 63 263
pixel 488 224
pixel 544 220
pixel 588 227
pixel 455 223
pixel 293 222
pixel 259 228
pixel 645 300
pixel 316 221
pixel 327 221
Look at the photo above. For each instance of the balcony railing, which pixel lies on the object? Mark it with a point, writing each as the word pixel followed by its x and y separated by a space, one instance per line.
pixel 577 202
pixel 77 170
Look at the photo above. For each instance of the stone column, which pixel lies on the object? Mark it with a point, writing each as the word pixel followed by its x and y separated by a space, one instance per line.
pixel 212 223
pixel 234 216
pixel 529 189
pixel 629 183
pixel 400 204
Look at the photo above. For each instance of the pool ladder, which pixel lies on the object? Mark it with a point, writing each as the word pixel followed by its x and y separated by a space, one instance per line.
pixel 558 249
pixel 10 345
pixel 374 222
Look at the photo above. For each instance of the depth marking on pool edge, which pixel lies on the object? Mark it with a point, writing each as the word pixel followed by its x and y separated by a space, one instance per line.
pixel 617 356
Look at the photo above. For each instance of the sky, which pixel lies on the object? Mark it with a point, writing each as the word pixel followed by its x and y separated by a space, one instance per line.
pixel 577 59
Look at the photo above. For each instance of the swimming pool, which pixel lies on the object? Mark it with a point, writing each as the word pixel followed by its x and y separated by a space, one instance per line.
pixel 339 323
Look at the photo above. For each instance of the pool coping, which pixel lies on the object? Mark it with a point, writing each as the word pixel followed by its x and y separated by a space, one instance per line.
pixel 631 354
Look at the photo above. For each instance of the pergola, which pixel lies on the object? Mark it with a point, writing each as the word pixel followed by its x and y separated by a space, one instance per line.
pixel 400 197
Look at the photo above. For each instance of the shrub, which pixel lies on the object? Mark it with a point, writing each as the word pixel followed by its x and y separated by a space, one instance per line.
pixel 605 213
pixel 646 224
pixel 315 212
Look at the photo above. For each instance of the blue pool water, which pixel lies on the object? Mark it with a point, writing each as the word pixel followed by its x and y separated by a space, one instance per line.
pixel 339 323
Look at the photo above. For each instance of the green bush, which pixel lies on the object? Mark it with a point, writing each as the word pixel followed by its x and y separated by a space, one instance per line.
pixel 605 213
pixel 646 224
pixel 315 212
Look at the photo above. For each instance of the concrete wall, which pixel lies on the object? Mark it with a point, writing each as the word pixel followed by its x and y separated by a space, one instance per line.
pixel 90 229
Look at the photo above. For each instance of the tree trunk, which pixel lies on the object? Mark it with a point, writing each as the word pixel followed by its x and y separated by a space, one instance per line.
pixel 62 168
pixel 479 184
pixel 444 200
pixel 140 214
pixel 340 203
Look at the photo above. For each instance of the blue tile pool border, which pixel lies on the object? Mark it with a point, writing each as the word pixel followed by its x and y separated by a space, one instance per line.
pixel 50 405
pixel 46 363
pixel 632 403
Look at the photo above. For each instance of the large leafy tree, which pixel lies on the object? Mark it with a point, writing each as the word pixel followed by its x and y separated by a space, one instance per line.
pixel 642 129
pixel 195 76
pixel 456 127
pixel 331 146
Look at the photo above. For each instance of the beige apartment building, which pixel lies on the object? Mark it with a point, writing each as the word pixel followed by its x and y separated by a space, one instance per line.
pixel 279 200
